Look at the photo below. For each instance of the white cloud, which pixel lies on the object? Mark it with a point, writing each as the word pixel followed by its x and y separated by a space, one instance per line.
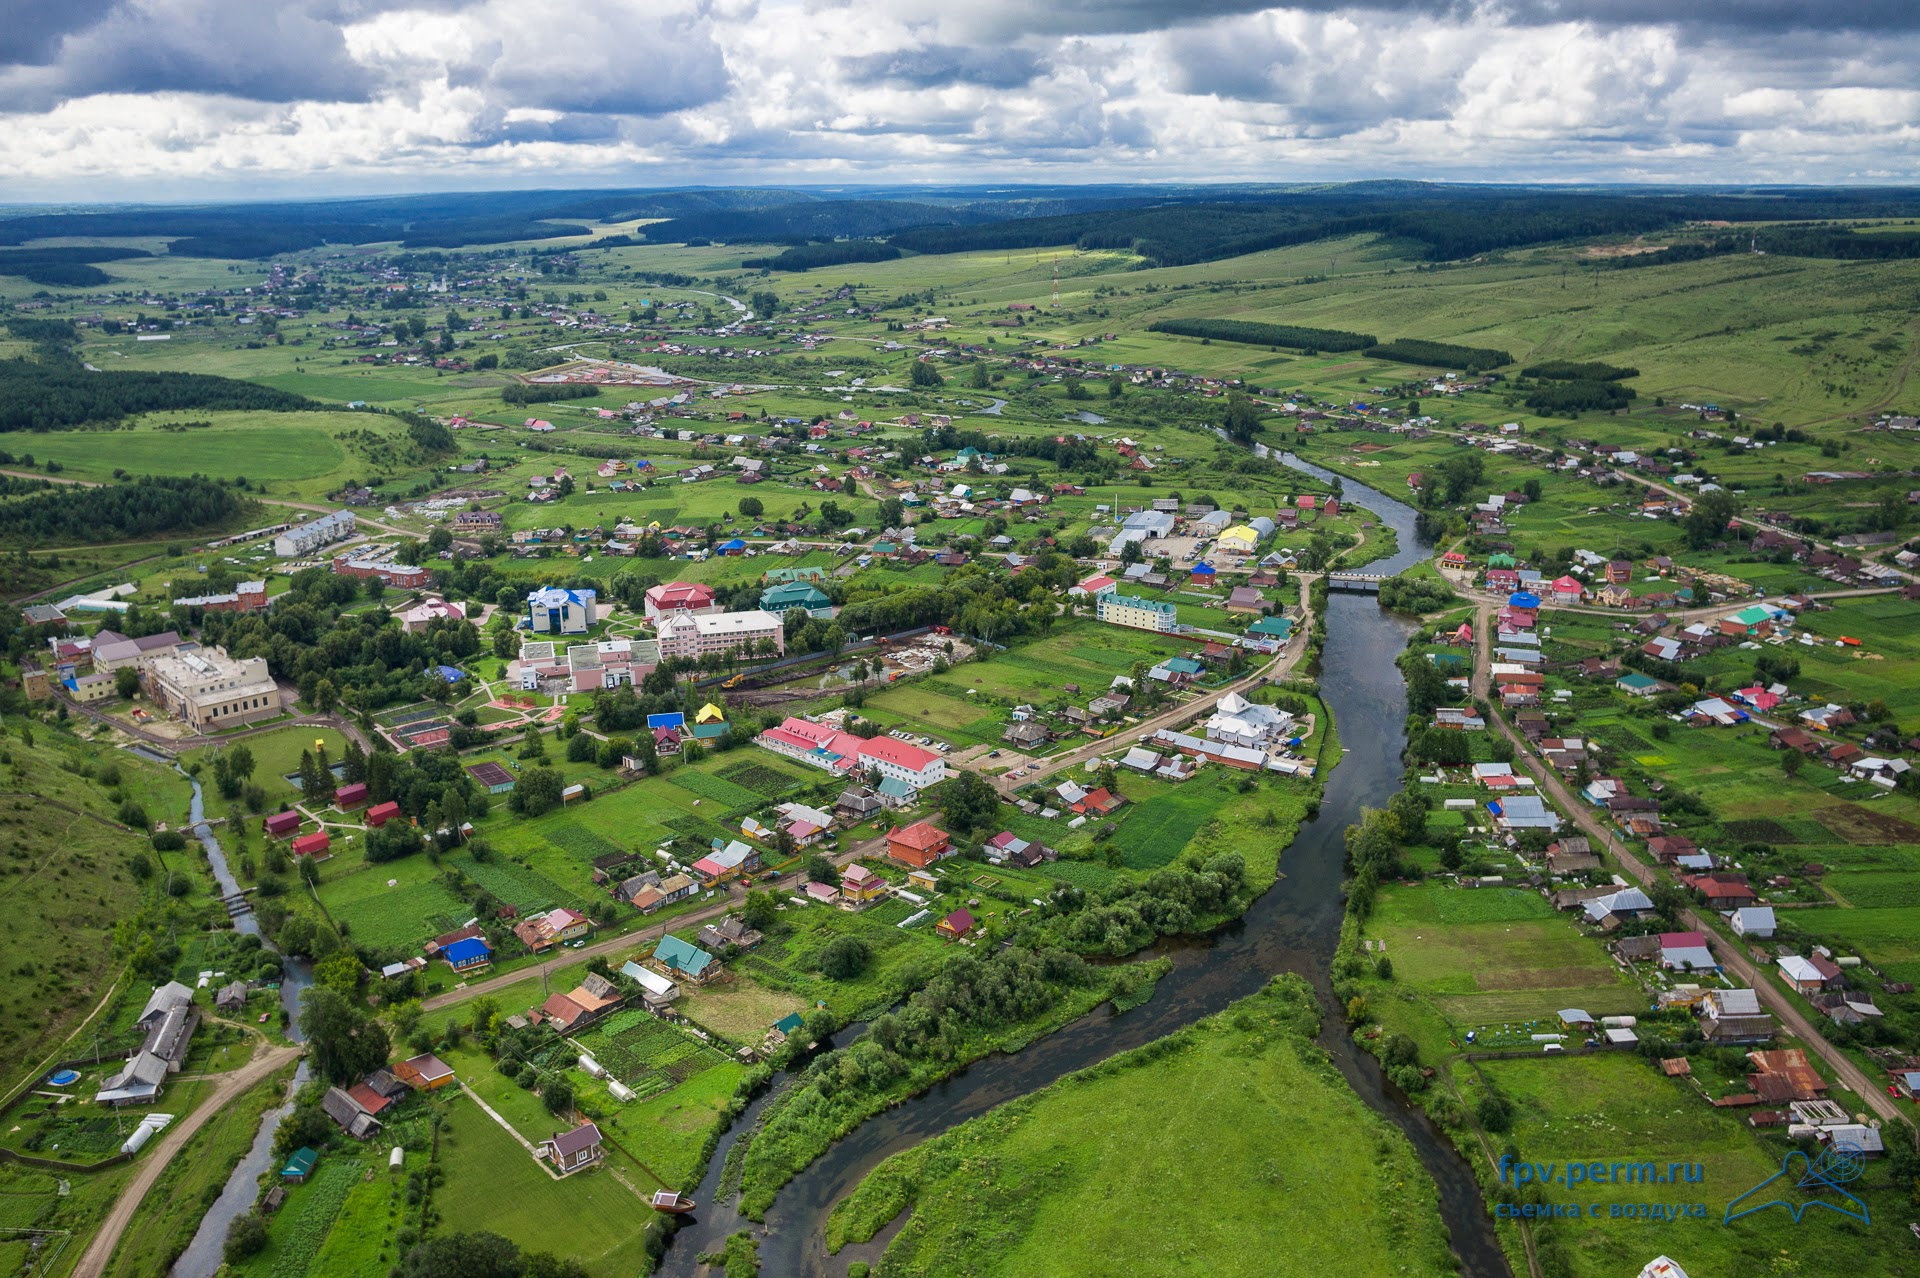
pixel 167 96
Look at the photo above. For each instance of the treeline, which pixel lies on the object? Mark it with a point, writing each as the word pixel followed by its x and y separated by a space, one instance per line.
pixel 117 512
pixel 66 267
pixel 547 394
pixel 1061 452
pixel 1834 243
pixel 1405 350
pixel 804 257
pixel 1566 370
pixel 1415 595
pixel 1255 333
pixel 800 222
pixel 1411 350
pixel 56 331
pixel 459 234
pixel 1578 397
pixel 53 394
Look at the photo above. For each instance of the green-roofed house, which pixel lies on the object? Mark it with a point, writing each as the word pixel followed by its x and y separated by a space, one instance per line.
pixel 788 1025
pixel 681 958
pixel 781 599
pixel 1280 628
pixel 776 576
pixel 1502 560
pixel 1755 622
pixel 885 549
pixel 1637 684
pixel 299 1165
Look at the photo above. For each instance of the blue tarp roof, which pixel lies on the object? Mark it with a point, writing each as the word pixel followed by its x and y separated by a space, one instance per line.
pixel 673 720
pixel 466 950
pixel 1521 599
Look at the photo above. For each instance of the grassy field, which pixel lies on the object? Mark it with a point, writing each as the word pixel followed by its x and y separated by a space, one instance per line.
pixel 1617 1106
pixel 286 454
pixel 492 1184
pixel 1492 957
pixel 1063 1182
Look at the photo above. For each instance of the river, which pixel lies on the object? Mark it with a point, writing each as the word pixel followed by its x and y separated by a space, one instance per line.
pixel 203 1255
pixel 1293 927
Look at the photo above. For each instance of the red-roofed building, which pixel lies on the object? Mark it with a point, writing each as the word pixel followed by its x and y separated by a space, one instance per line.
pixel 670 597
pixel 281 824
pixel 1099 803
pixel 909 763
pixel 315 845
pixel 367 1099
pixel 349 797
pixel 956 925
pixel 918 845
pixel 381 813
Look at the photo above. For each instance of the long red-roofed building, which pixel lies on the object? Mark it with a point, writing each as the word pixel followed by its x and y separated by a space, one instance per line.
pixel 840 752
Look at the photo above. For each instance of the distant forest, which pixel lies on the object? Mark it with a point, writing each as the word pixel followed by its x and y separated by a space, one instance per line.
pixel 67 267
pixel 1167 226
pixel 56 391
pixel 117 512
pixel 1406 350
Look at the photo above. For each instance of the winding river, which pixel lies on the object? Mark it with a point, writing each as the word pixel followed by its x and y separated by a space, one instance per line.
pixel 1293 927
pixel 203 1255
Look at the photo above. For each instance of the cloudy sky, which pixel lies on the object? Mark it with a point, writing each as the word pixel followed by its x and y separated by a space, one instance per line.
pixel 116 99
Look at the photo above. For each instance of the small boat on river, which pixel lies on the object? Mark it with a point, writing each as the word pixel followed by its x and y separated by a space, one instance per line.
pixel 668 1201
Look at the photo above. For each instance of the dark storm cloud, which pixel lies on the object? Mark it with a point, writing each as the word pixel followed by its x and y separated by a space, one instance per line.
pixel 31 31
pixel 245 48
pixel 938 65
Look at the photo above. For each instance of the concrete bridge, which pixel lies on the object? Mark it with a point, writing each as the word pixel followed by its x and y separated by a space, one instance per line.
pixel 1358 582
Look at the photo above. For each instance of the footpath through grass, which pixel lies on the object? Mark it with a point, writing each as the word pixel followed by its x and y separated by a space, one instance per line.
pixel 1130 1159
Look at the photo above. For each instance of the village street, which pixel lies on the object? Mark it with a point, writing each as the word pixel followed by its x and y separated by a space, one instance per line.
pixel 1732 957
pixel 93 1261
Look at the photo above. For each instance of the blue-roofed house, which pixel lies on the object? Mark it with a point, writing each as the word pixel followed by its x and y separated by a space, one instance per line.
pixel 467 954
pixel 731 548
pixel 552 610
pixel 673 719
pixel 684 959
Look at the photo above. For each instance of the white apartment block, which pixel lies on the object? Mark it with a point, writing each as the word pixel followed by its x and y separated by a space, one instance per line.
pixel 694 635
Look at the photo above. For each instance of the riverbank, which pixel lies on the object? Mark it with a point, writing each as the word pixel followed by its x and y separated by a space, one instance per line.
pixel 1059 1182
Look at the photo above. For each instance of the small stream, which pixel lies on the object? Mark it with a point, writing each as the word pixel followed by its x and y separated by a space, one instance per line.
pixel 1293 927
pixel 203 1255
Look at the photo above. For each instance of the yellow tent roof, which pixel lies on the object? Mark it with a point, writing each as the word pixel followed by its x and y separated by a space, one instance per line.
pixel 710 713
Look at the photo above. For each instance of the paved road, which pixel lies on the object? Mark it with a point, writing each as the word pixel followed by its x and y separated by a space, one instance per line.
pixel 93 1262
pixel 1733 957
pixel 1282 664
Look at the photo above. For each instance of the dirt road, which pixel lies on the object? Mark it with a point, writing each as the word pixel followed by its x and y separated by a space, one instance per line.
pixel 93 1262
pixel 787 882
pixel 1732 956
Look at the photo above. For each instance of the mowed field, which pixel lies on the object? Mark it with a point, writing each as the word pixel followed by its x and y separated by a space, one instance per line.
pixel 490 1183
pixel 1119 1170
pixel 1493 956
pixel 1618 1107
